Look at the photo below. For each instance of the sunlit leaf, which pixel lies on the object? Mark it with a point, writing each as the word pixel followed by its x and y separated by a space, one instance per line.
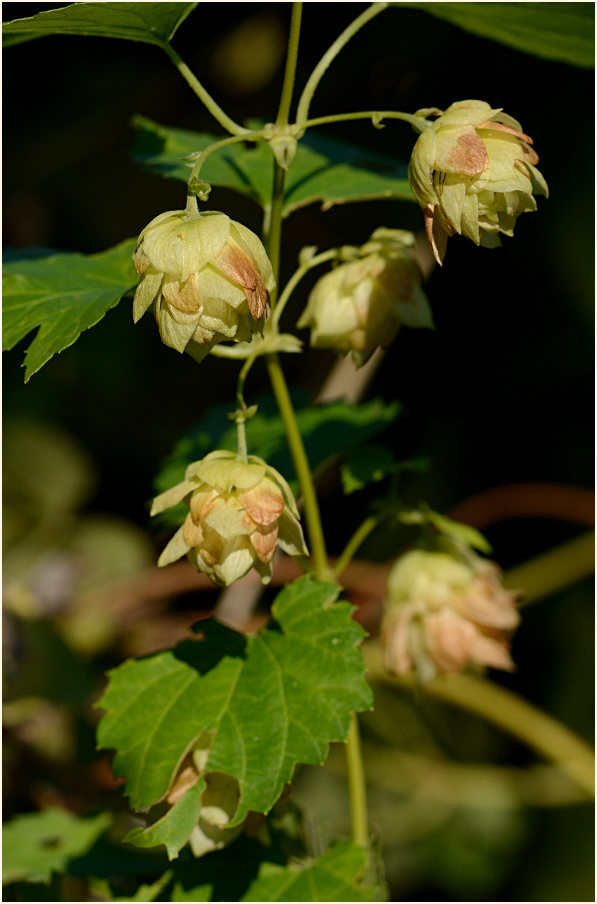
pixel 272 700
pixel 332 877
pixel 153 23
pixel 555 31
pixel 35 845
pixel 324 170
pixel 63 294
pixel 174 828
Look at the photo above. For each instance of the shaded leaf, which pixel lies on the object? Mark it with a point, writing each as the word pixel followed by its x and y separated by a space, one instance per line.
pixel 332 877
pixel 36 845
pixel 367 464
pixel 153 23
pixel 63 295
pixel 174 828
pixel 327 430
pixel 324 170
pixel 271 700
pixel 555 31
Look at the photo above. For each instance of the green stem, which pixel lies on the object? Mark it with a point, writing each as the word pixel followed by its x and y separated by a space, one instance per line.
pixel 552 571
pixel 274 236
pixel 203 155
pixel 375 115
pixel 302 468
pixel 290 70
pixel 359 537
pixel 506 710
pixel 328 57
pixel 204 96
pixel 294 281
pixel 357 785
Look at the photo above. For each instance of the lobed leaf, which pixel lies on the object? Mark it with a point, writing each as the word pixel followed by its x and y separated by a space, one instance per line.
pixel 152 23
pixel 555 31
pixel 332 877
pixel 324 170
pixel 62 294
pixel 35 845
pixel 270 701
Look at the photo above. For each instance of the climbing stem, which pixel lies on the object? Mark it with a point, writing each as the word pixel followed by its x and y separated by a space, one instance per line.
pixel 328 57
pixel 376 116
pixel 203 155
pixel 302 468
pixel 294 281
pixel 357 786
pixel 508 711
pixel 359 537
pixel 204 96
pixel 290 70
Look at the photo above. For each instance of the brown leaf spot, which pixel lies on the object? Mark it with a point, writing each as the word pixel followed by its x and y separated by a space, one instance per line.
pixel 500 127
pixel 264 543
pixel 469 155
pixel 262 506
pixel 183 296
pixel 239 267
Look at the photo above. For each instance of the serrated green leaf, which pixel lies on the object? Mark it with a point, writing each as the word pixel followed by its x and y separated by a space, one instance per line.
pixel 555 31
pixel 457 531
pixel 63 294
pixel 272 701
pixel 153 23
pixel 174 828
pixel 332 877
pixel 327 431
pixel 367 464
pixel 324 170
pixel 36 845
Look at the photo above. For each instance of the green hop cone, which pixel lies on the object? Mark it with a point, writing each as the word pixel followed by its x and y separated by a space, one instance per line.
pixel 238 513
pixel 208 276
pixel 446 611
pixel 361 305
pixel 473 172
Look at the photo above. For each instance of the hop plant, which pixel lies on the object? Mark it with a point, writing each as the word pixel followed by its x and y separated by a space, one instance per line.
pixel 360 305
pixel 238 513
pixel 208 276
pixel 473 172
pixel 446 611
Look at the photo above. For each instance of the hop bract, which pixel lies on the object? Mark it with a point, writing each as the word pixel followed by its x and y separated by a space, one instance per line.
pixel 473 172
pixel 209 277
pixel 238 513
pixel 360 305
pixel 445 612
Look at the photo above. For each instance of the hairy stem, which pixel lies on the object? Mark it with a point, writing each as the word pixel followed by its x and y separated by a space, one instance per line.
pixel 204 96
pixel 328 57
pixel 375 115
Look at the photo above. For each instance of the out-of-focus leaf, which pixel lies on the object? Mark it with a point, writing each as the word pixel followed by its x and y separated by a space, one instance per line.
pixel 37 844
pixel 555 31
pixel 366 464
pixel 324 170
pixel 272 700
pixel 63 294
pixel 457 531
pixel 332 877
pixel 328 431
pixel 153 23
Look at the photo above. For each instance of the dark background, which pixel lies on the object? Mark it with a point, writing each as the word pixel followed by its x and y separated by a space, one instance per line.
pixel 501 392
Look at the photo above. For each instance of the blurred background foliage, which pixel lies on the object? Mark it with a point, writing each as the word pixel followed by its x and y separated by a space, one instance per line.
pixel 501 392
